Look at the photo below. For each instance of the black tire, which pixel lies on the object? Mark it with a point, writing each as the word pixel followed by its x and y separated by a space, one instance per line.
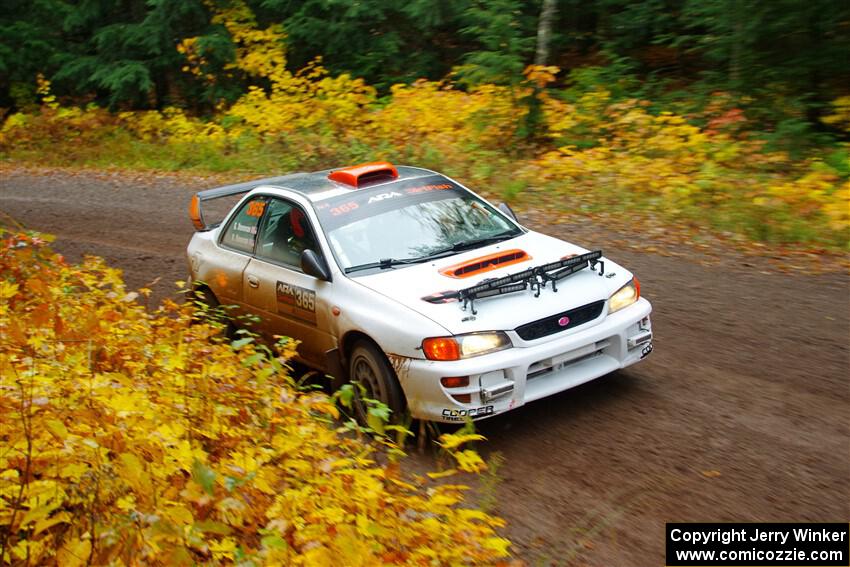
pixel 368 367
pixel 206 297
pixel 203 300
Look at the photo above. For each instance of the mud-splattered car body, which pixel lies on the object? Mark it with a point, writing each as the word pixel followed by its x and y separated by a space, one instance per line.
pixel 405 281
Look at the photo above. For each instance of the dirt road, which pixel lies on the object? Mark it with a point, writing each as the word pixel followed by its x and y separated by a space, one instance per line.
pixel 740 414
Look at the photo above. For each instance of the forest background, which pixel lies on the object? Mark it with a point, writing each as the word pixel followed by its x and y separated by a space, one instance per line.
pixel 730 114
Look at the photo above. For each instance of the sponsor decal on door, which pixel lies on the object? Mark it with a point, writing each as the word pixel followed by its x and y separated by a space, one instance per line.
pixel 296 301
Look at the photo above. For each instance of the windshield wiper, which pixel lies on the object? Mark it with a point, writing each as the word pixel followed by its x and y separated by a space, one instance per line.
pixel 473 243
pixel 384 264
pixel 479 242
pixel 387 263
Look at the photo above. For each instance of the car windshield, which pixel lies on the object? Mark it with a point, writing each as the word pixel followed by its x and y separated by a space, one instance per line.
pixel 409 221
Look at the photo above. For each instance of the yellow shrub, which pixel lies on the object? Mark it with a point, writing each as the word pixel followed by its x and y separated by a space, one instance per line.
pixel 840 115
pixel 135 437
pixel 308 100
pixel 438 113
pixel 837 208
pixel 634 154
pixel 172 125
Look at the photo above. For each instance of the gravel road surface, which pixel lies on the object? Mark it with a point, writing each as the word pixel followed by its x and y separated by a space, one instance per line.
pixel 740 414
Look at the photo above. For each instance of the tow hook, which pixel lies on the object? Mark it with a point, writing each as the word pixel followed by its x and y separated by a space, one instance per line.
pixel 488 395
pixel 636 340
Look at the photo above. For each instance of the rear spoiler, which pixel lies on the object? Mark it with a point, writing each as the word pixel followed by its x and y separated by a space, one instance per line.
pixel 196 210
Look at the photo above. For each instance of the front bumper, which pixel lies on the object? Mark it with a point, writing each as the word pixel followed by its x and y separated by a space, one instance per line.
pixel 507 379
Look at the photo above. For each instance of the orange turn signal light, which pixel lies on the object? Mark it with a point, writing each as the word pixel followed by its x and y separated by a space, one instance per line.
pixel 441 348
pixel 195 212
pixel 637 286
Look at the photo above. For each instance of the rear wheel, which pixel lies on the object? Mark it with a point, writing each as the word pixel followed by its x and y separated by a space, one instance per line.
pixel 208 308
pixel 374 379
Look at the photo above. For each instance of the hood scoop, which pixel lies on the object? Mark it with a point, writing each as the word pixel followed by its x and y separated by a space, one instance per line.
pixel 535 278
pixel 485 263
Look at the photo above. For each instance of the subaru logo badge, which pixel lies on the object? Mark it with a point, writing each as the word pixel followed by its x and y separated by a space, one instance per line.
pixel 564 321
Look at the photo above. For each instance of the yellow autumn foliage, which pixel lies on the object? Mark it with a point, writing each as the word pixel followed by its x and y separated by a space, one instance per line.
pixel 840 114
pixel 133 437
pixel 637 157
pixel 591 150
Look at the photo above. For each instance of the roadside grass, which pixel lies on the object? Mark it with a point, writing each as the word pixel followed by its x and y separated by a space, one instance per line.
pixel 727 213
pixel 120 149
pixel 666 169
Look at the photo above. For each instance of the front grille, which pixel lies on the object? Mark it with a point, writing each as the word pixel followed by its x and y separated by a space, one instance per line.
pixel 550 325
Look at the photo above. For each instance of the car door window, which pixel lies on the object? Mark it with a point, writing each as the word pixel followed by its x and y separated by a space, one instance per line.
pixel 241 232
pixel 285 234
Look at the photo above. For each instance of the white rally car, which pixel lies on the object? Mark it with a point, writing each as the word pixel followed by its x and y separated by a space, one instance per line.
pixel 406 282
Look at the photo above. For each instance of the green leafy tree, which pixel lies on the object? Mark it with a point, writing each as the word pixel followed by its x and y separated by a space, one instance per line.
pixel 505 38
pixel 788 56
pixel 382 41
pixel 125 50
pixel 789 51
pixel 30 38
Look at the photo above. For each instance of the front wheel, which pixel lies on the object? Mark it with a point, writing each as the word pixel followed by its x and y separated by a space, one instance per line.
pixel 373 378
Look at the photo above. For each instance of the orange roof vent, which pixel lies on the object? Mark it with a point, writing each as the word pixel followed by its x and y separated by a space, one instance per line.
pixel 365 173
pixel 485 263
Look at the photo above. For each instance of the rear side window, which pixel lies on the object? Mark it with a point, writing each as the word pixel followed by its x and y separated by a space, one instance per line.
pixel 241 232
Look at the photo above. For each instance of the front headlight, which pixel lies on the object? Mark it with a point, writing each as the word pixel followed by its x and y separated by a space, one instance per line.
pixel 624 296
pixel 465 346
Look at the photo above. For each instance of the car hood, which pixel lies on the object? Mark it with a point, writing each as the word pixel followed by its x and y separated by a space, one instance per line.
pixel 409 284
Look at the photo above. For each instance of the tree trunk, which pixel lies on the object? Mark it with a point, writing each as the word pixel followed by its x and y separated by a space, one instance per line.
pixel 544 31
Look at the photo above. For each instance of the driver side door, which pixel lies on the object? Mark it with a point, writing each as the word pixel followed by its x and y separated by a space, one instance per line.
pixel 288 301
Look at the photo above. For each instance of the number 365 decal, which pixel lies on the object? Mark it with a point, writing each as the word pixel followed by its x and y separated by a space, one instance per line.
pixel 296 301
